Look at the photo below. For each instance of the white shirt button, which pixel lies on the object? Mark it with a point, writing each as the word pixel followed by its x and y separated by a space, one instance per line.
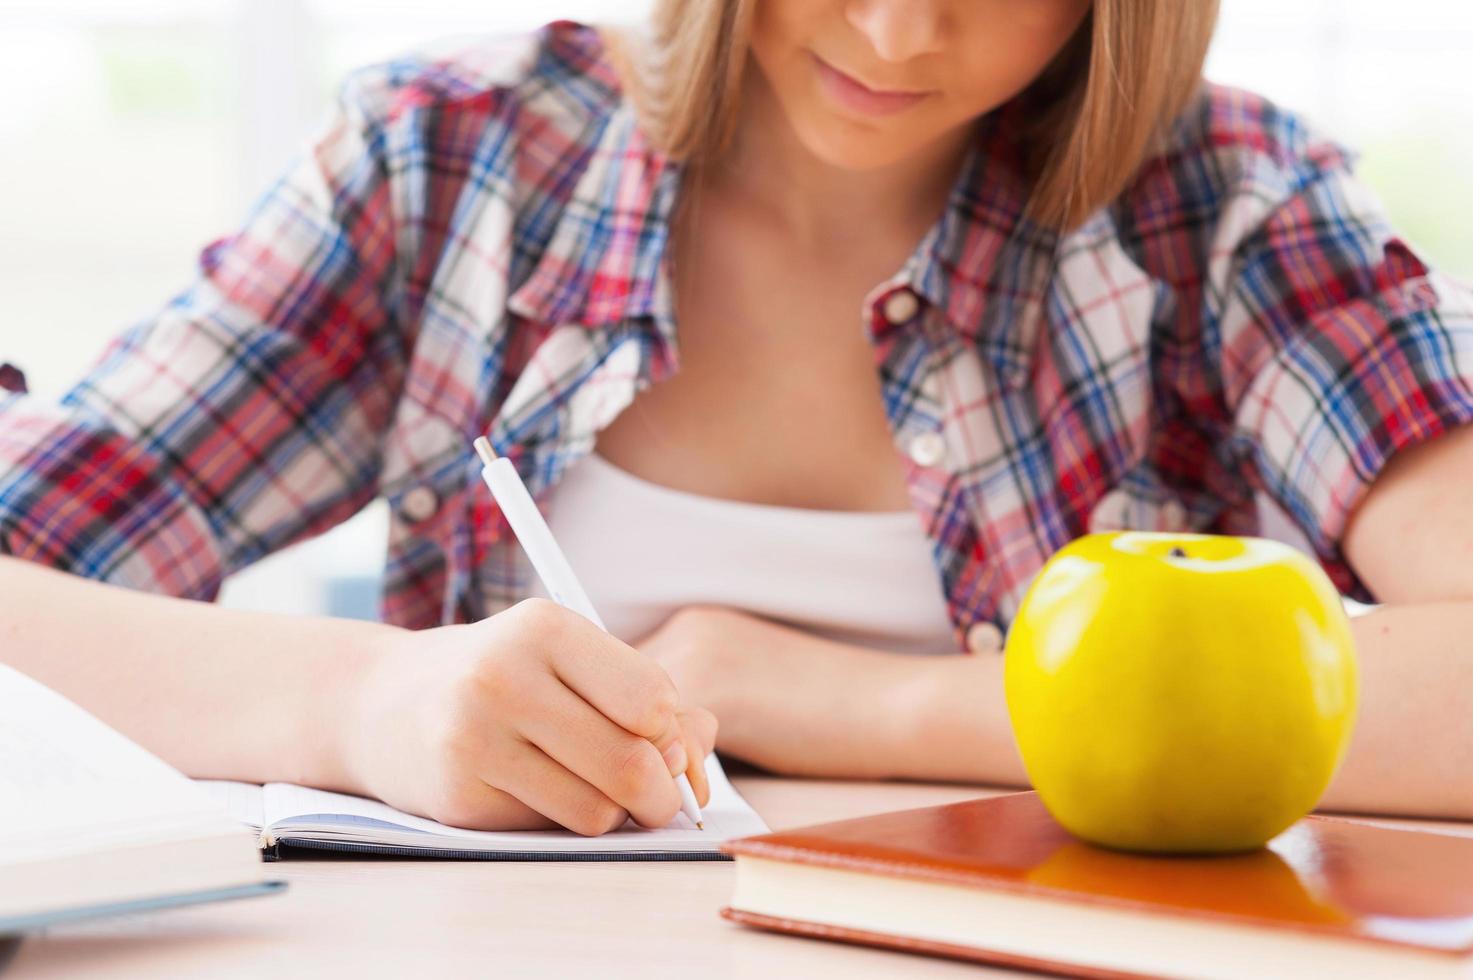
pixel 984 637
pixel 419 504
pixel 900 306
pixel 928 449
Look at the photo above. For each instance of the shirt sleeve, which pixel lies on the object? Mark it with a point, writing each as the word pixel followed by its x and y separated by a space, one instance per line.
pixel 248 413
pixel 1339 348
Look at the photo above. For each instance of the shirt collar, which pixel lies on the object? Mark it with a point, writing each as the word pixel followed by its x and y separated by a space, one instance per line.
pixel 605 262
pixel 984 265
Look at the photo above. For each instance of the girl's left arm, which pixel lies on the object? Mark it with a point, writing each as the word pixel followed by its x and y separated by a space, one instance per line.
pixel 802 705
pixel 1411 543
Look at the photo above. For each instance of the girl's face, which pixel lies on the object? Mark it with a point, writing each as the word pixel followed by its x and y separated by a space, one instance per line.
pixel 867 83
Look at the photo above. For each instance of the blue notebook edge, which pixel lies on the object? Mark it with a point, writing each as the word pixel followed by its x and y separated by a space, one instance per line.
pixel 285 846
pixel 18 924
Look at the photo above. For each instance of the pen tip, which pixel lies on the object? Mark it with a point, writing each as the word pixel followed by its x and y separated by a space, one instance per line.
pixel 484 450
pixel 700 825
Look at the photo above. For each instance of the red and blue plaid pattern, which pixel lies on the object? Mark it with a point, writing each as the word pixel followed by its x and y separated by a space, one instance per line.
pixel 477 245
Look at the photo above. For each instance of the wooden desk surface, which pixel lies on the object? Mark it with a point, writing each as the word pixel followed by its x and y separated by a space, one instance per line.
pixel 505 919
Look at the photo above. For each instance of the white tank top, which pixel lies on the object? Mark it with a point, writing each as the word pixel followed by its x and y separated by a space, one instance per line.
pixel 643 550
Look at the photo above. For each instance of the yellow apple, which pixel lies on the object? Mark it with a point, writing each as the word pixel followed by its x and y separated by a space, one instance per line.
pixel 1180 692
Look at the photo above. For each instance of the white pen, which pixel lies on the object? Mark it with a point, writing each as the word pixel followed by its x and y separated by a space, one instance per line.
pixel 551 564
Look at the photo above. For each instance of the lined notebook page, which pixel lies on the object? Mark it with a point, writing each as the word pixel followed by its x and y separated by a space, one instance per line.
pixel 243 801
pixel 293 812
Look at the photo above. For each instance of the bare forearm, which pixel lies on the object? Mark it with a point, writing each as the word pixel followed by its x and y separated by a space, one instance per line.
pixel 1412 750
pixel 1411 753
pixel 848 711
pixel 900 716
pixel 216 692
pixel 808 706
pixel 959 729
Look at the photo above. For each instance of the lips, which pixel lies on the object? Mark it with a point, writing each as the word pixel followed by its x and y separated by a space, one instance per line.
pixel 855 96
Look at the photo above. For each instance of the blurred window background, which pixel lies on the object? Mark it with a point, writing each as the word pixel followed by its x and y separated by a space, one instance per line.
pixel 135 131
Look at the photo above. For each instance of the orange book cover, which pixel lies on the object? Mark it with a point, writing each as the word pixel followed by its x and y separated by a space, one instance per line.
pixel 1326 876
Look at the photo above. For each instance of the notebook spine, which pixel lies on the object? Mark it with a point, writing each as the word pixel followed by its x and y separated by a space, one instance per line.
pixel 285 847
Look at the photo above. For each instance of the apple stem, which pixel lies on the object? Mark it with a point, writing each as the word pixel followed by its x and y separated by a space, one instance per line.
pixel 1176 553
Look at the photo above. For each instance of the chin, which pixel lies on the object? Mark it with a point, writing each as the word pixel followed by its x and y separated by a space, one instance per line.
pixel 851 146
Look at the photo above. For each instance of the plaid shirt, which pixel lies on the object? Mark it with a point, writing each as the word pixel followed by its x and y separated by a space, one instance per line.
pixel 478 245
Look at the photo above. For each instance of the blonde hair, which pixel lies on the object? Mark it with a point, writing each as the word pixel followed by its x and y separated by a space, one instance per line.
pixel 1099 108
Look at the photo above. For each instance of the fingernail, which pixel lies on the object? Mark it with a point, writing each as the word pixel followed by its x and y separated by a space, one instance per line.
pixel 676 758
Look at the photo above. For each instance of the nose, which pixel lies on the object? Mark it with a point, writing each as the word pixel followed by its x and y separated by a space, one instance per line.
pixel 898 29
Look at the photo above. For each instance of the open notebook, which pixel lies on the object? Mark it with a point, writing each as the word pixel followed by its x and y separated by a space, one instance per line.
pixel 91 824
pixel 296 816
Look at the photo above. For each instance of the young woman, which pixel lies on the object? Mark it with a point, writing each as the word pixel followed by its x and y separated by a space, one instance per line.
pixel 817 326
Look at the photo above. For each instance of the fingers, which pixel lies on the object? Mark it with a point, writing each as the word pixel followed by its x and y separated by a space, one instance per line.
pixel 672 747
pixel 698 731
pixel 477 806
pixel 623 684
pixel 703 724
pixel 607 716
pixel 549 789
pixel 696 772
pixel 627 769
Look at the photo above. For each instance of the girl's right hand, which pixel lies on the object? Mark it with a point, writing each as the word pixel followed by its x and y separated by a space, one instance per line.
pixel 530 719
